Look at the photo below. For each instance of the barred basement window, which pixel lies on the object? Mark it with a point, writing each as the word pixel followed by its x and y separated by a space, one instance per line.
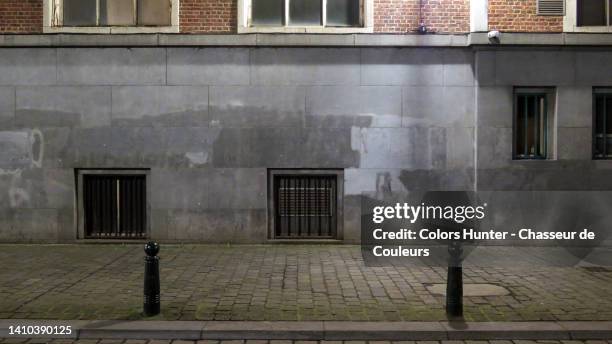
pixel 113 204
pixel 305 204
pixel 602 123
pixel 531 123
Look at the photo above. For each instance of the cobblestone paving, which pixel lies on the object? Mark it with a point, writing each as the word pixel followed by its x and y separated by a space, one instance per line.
pixel 277 282
pixel 136 341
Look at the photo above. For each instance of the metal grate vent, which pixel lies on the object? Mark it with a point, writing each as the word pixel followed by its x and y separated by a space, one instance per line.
pixel 305 201
pixel 305 206
pixel 114 206
pixel 550 7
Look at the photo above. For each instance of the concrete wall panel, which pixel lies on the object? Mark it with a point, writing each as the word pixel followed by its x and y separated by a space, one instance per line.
pixel 347 106
pixel 495 106
pixel 289 147
pixel 299 66
pixel 408 148
pixel 594 68
pixel 7 107
pixel 40 106
pixel 256 106
pixel 438 106
pixel 574 143
pixel 484 67
pixel 574 106
pixel 458 67
pixel 29 225
pixel 111 66
pixel 534 68
pixel 392 66
pixel 208 66
pixel 28 67
pixel 494 147
pixel 180 188
pixel 173 106
pixel 238 188
pixel 218 226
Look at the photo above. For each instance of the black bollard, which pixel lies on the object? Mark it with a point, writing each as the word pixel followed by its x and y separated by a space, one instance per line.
pixel 151 280
pixel 454 282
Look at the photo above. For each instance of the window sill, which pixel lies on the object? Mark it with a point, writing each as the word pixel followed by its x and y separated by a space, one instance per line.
pixel 588 29
pixel 315 29
pixel 111 30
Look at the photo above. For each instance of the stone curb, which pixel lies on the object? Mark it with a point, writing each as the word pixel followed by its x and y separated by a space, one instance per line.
pixel 319 330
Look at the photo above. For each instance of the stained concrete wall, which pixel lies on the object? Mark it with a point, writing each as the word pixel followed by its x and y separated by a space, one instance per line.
pixel 572 74
pixel 209 122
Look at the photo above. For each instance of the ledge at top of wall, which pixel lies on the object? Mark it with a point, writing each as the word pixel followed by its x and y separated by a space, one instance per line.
pixel 305 40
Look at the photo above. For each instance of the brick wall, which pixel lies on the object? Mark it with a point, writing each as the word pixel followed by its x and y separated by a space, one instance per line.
pixel 520 16
pixel 390 16
pixel 21 16
pixel 208 16
pixel 441 16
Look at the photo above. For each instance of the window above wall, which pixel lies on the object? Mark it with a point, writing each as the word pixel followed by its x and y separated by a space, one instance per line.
pixel 305 16
pixel 602 123
pixel 111 16
pixel 588 16
pixel 533 127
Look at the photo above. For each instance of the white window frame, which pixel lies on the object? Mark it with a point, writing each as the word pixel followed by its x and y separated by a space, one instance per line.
pixel 570 21
pixel 366 20
pixel 52 22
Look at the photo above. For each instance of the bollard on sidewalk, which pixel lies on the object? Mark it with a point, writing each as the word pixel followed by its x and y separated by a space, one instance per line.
pixel 151 304
pixel 454 282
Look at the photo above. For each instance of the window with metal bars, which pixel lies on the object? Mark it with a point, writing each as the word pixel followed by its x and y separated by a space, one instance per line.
pixel 305 205
pixel 531 120
pixel 602 123
pixel 114 206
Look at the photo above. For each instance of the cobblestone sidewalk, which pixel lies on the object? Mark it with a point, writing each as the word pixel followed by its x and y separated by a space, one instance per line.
pixel 277 282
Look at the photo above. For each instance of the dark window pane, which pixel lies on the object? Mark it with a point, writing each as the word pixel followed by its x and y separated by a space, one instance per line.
pixel 304 12
pixel 591 13
pixel 154 12
pixel 608 114
pixel 520 126
pixel 268 12
pixel 80 13
pixel 599 149
pixel 117 12
pixel 599 114
pixel 531 126
pixel 541 132
pixel 343 12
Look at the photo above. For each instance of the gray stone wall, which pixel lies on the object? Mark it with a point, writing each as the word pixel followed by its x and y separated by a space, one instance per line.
pixel 572 74
pixel 210 122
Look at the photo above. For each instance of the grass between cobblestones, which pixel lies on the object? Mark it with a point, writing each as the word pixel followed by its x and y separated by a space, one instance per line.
pixel 277 282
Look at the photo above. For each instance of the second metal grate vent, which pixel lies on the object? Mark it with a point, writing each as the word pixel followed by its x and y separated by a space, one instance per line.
pixel 305 206
pixel 114 206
